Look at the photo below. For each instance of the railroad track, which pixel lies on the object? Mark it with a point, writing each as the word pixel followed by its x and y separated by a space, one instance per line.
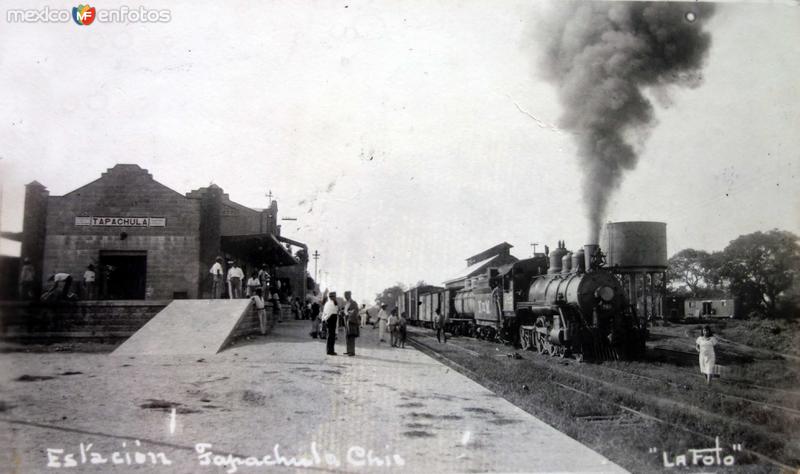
pixel 661 402
pixel 787 410
pixel 733 381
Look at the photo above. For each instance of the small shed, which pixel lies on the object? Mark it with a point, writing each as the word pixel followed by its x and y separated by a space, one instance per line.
pixel 709 307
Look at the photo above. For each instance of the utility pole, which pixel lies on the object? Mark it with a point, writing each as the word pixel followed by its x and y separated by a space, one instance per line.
pixel 316 256
pixel 534 245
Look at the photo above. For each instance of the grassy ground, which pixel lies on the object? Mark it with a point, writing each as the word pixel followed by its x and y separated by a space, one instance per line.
pixel 775 335
pixel 555 390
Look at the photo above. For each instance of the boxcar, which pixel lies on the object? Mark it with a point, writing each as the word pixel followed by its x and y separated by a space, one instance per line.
pixel 430 301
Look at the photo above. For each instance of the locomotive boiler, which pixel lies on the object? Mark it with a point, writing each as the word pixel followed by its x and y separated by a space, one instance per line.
pixel 578 308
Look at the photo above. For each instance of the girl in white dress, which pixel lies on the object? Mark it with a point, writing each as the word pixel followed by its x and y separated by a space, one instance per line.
pixel 705 346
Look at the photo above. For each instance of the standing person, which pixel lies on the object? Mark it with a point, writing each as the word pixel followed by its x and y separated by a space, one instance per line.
pixel 89 286
pixel 315 309
pixel 441 326
pixel 351 321
pixel 383 318
pixel 216 278
pixel 263 277
pixel 27 277
pixel 235 277
pixel 330 313
pixel 253 284
pixel 401 327
pixel 276 308
pixel 393 333
pixel 364 315
pixel 705 346
pixel 261 310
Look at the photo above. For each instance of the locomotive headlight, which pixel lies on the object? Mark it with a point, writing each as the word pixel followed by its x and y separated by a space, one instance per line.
pixel 605 293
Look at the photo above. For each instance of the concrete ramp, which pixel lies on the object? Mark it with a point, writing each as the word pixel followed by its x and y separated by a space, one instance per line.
pixel 187 327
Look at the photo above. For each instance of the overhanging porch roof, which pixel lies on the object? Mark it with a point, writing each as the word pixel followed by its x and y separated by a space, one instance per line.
pixel 258 249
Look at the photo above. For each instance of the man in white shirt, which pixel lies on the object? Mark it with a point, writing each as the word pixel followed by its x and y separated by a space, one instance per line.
pixel 330 313
pixel 235 278
pixel 216 275
pixel 59 287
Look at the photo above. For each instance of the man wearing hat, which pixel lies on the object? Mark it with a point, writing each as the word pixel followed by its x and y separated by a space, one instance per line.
pixel 216 278
pixel 351 322
pixel 383 318
pixel 330 313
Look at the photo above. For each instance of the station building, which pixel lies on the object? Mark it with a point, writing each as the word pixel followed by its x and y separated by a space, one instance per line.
pixel 148 241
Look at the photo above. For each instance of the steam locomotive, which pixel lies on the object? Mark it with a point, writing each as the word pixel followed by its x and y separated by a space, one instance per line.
pixel 561 304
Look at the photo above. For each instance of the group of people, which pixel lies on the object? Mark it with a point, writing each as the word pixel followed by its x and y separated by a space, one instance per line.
pixel 233 283
pixel 395 324
pixel 347 318
pixel 60 285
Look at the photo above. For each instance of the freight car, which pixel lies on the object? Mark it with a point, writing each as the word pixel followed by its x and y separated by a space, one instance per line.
pixel 410 302
pixel 420 305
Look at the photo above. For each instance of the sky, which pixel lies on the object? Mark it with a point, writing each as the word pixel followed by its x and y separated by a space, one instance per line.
pixel 404 137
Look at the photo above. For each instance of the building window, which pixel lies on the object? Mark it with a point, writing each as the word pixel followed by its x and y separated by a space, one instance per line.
pixel 723 302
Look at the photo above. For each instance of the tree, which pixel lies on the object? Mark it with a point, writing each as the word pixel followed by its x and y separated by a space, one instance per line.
pixel 760 267
pixel 694 272
pixel 390 295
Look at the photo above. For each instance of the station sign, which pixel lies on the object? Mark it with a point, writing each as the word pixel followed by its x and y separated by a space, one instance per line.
pixel 119 221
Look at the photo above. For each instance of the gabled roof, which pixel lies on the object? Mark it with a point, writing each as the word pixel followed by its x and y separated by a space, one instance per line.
pixel 119 169
pixel 491 251
pixel 472 269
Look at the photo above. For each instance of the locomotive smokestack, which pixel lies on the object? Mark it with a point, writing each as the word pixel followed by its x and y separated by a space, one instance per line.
pixel 601 56
pixel 589 250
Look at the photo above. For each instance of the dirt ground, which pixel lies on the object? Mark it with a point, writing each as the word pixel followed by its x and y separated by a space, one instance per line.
pixel 278 399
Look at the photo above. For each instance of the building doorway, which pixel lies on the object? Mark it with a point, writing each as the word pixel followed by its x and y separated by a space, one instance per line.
pixel 123 274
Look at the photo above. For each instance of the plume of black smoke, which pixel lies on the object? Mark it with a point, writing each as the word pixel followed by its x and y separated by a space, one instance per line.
pixel 602 56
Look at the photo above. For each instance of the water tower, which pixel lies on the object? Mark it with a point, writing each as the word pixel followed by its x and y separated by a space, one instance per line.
pixel 637 252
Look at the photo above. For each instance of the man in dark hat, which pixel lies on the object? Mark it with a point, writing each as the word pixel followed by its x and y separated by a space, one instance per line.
pixel 351 322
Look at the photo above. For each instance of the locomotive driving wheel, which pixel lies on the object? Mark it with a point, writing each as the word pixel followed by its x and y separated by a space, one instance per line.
pixel 540 336
pixel 525 339
pixel 552 349
pixel 540 342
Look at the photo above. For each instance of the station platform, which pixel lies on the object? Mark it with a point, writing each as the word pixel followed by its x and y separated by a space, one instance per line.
pixel 277 399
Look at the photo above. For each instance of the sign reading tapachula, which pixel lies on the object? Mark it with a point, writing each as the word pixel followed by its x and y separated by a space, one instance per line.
pixel 121 221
